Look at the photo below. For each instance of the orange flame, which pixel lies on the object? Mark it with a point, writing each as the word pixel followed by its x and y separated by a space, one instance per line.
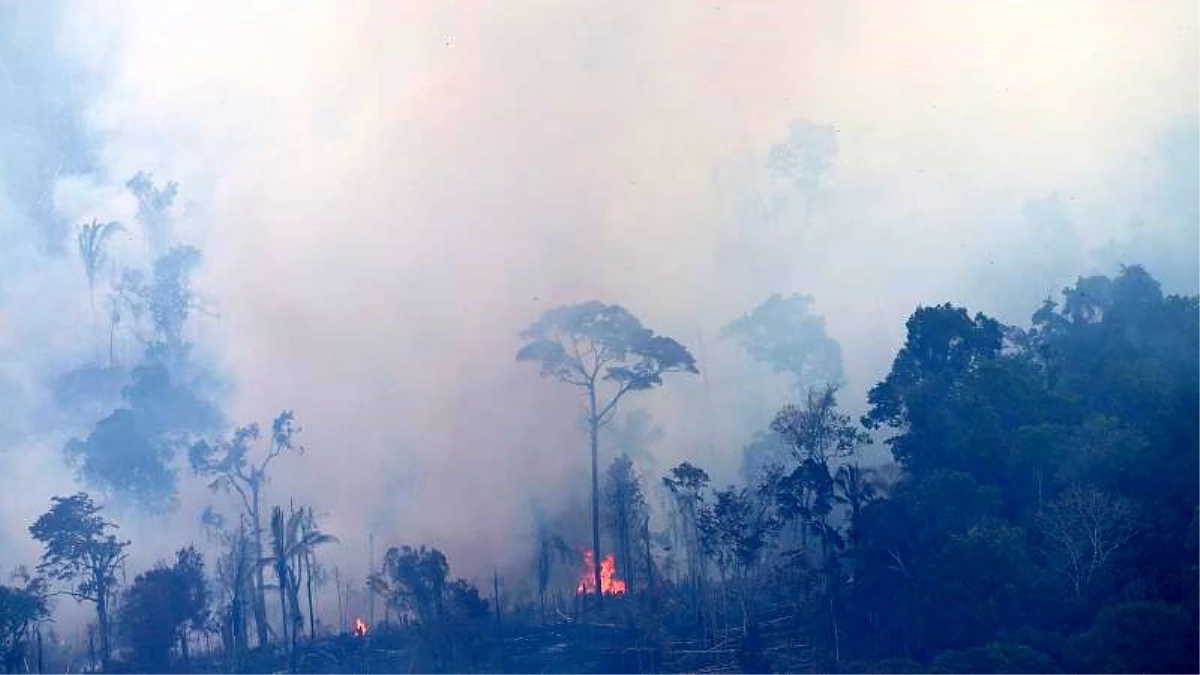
pixel 360 627
pixel 609 583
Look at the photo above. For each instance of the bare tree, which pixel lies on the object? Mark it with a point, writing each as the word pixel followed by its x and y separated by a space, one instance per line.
pixel 1087 526
pixel 227 462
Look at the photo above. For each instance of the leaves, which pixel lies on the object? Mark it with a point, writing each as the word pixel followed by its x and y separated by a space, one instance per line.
pixel 782 333
pixel 78 544
pixel 585 343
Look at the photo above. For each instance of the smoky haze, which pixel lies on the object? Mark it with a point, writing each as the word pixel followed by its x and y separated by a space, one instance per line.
pixel 387 193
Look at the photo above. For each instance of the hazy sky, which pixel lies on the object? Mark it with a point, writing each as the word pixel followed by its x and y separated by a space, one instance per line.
pixel 386 193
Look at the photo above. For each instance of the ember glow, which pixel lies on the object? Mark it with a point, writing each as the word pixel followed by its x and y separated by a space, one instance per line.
pixel 609 583
pixel 360 627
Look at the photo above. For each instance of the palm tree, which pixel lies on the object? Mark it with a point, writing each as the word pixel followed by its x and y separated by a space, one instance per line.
pixel 91 238
pixel 291 541
pixel 856 489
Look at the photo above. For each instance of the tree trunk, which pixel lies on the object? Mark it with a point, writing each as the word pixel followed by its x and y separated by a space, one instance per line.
pixel 281 572
pixel 337 588
pixel 312 617
pixel 260 592
pixel 496 599
pixel 649 559
pixel 102 619
pixel 594 433
pixel 183 646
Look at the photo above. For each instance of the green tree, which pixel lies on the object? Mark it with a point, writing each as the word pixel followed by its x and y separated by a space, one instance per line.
pixel 604 350
pixel 1138 637
pixel 161 606
pixel 22 608
pixel 80 549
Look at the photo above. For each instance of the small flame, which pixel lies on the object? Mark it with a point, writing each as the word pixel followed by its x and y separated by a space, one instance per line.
pixel 609 583
pixel 360 627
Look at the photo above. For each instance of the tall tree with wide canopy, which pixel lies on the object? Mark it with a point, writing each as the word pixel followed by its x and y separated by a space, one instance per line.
pixel 607 352
pixel 81 549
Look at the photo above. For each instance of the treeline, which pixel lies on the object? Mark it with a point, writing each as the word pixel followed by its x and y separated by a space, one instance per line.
pixel 1040 515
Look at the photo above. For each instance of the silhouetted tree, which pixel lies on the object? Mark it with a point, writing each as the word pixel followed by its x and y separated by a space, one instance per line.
pixel 626 509
pixel 161 606
pixel 292 541
pixel 686 484
pixel 153 209
pixel 591 344
pixel 229 464
pixel 81 550
pixel 22 607
pixel 91 238
pixel 781 332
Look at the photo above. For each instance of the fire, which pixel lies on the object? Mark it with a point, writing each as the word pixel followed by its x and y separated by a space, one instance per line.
pixel 360 627
pixel 609 583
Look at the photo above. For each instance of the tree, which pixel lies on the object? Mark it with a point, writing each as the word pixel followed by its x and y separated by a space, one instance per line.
pixel 235 574
pixel 816 434
pixel 781 332
pixel 626 510
pixel 1086 527
pixel 1138 637
pixel 413 580
pixel 736 530
pixel 189 572
pixel 232 471
pixel 292 541
pixel 130 452
pixel 153 208
pixel 686 484
pixel 604 350
pixel 161 606
pixel 855 489
pixel 91 238
pixel 943 344
pixel 314 573
pixel 633 434
pixel 551 548
pixel 81 549
pixel 447 613
pixel 22 607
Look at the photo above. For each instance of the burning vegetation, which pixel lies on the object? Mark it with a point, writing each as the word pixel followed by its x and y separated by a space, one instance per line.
pixel 609 583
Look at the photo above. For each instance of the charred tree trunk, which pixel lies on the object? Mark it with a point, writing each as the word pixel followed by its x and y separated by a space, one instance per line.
pixel 594 433
pixel 312 617
pixel 260 592
pixel 102 619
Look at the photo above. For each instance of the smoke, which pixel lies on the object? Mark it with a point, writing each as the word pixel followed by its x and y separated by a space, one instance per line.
pixel 386 193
